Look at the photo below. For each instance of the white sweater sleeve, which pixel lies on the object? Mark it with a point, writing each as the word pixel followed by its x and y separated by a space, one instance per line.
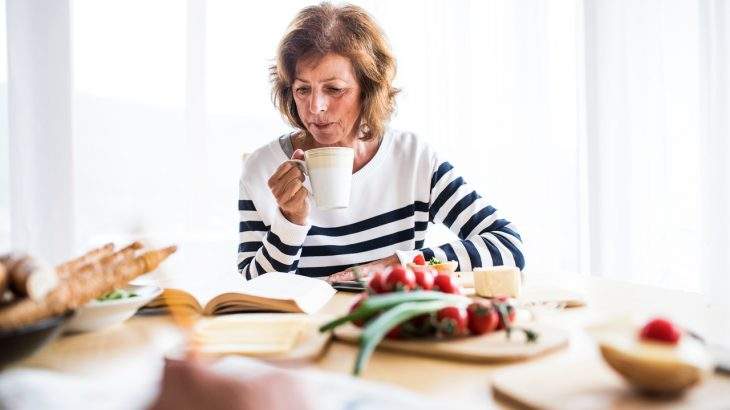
pixel 486 239
pixel 264 248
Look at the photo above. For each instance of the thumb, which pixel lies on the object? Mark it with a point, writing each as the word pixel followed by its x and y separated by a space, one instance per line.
pixel 298 154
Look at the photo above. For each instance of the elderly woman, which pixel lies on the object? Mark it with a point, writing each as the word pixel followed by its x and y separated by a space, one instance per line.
pixel 332 81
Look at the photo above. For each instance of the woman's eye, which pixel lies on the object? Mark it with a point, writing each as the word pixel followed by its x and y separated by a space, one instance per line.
pixel 335 90
pixel 302 90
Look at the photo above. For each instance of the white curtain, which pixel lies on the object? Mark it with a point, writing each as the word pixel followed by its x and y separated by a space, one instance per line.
pixel 598 127
pixel 39 113
pixel 657 108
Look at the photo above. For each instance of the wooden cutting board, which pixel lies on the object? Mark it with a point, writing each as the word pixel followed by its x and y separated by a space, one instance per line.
pixel 530 295
pixel 489 348
pixel 590 384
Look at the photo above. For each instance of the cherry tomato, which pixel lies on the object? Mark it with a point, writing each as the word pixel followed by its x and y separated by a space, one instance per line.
pixel 424 279
pixel 483 317
pixel 394 333
pixel 419 260
pixel 443 282
pixel 377 283
pixel 661 330
pixel 509 307
pixel 452 321
pixel 419 326
pixel 400 278
pixel 355 306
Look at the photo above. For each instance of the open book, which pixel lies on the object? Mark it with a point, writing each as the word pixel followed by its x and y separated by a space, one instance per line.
pixel 274 291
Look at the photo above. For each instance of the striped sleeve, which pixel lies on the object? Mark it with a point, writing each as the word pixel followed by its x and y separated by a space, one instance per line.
pixel 263 248
pixel 486 239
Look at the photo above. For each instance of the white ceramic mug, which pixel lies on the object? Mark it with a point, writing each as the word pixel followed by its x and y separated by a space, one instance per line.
pixel 330 174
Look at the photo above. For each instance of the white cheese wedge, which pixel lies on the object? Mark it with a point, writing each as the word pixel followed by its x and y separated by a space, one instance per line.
pixel 497 281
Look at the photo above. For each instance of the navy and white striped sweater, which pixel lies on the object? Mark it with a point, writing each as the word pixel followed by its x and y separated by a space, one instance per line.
pixel 394 197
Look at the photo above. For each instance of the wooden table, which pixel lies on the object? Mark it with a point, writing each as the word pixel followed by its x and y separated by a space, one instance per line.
pixel 138 345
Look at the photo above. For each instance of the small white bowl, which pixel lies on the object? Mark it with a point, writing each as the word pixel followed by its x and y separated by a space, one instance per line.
pixel 97 314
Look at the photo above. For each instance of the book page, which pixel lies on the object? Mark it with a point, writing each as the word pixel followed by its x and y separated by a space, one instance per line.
pixel 279 285
pixel 308 293
pixel 206 272
pixel 202 269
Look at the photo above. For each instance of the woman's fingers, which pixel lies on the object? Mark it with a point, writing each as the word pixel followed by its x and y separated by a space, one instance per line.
pixel 290 189
pixel 278 173
pixel 345 275
pixel 283 169
pixel 297 200
pixel 279 187
pixel 291 196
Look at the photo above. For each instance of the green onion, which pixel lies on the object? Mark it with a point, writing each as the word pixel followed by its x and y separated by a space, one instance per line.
pixel 375 304
pixel 375 331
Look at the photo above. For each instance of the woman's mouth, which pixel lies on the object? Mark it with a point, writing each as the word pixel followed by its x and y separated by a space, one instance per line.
pixel 322 125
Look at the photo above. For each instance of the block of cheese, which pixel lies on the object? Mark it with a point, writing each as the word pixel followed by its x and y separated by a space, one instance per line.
pixel 497 281
pixel 252 334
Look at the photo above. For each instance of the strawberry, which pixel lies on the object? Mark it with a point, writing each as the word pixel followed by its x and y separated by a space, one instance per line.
pixel 419 260
pixel 661 330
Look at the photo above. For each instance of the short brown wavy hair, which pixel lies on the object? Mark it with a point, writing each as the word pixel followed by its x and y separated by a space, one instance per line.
pixel 348 31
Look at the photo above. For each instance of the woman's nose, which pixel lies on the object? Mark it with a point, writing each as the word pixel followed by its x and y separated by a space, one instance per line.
pixel 318 103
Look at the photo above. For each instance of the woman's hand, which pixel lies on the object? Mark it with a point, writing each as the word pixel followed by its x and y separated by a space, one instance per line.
pixel 364 270
pixel 187 384
pixel 290 194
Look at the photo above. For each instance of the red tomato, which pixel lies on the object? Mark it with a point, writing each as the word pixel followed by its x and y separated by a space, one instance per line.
pixel 424 279
pixel 419 326
pixel 510 308
pixel 394 333
pixel 483 317
pixel 419 260
pixel 443 282
pixel 377 283
pixel 452 321
pixel 355 306
pixel 400 278
pixel 661 330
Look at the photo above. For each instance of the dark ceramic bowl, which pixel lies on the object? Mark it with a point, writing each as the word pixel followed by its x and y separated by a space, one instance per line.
pixel 17 344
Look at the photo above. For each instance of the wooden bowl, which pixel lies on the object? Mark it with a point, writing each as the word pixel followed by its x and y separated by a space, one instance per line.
pixel 655 367
pixel 446 267
pixel 17 344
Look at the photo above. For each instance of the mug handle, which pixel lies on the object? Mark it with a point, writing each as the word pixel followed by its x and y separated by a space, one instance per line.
pixel 301 164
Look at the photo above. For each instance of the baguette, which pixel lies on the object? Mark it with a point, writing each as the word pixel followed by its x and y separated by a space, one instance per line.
pixel 26 277
pixel 66 268
pixel 87 283
pixel 82 285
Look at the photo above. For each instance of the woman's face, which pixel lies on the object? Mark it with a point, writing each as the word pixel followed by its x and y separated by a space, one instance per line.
pixel 327 96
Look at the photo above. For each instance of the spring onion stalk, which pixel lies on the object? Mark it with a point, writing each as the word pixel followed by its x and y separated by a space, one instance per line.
pixel 375 331
pixel 375 304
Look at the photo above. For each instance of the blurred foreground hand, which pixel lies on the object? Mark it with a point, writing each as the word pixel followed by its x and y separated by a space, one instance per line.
pixel 188 384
